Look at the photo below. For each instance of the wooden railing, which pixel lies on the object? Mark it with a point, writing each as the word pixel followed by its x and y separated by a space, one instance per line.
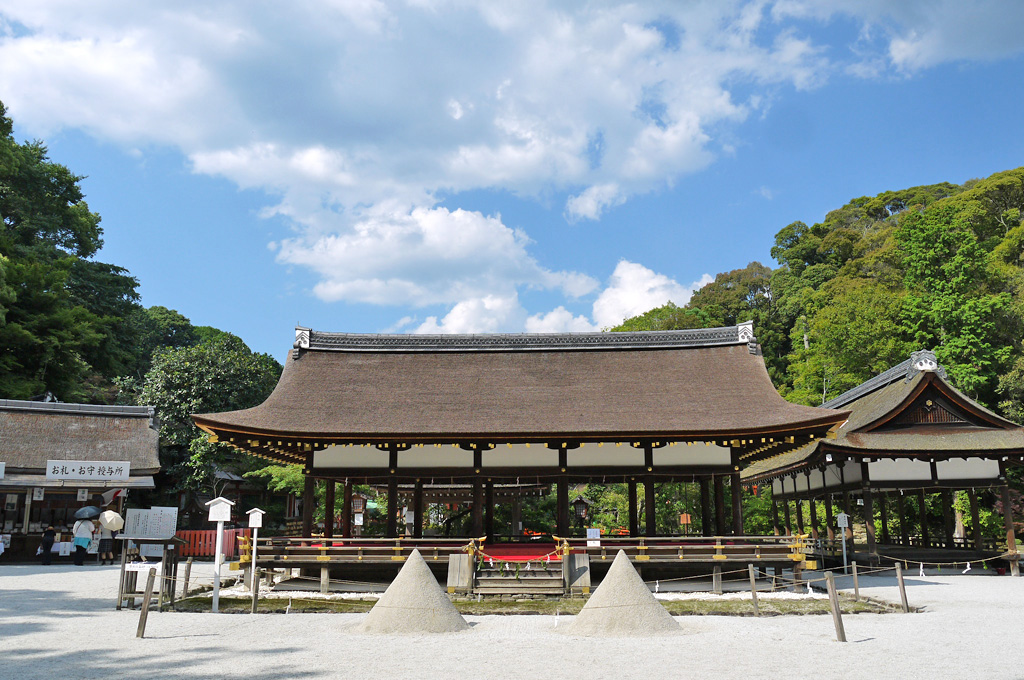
pixel 696 549
pixel 280 551
pixel 987 544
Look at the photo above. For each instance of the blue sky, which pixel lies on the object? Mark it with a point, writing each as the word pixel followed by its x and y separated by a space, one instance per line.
pixel 458 166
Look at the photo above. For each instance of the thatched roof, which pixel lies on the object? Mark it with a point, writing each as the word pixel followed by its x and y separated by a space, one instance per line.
pixel 343 388
pixel 33 432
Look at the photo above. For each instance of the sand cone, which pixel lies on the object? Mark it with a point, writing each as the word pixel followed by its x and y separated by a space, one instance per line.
pixel 413 603
pixel 622 606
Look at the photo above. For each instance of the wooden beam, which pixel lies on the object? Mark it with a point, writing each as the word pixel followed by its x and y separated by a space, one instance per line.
pixel 650 508
pixel 814 519
pixel 489 510
pixel 346 511
pixel 947 516
pixel 972 498
pixel 417 510
pixel 329 508
pixel 737 504
pixel 308 503
pixel 775 516
pixel 883 512
pixel 634 520
pixel 719 505
pixel 922 509
pixel 901 510
pixel 830 526
pixel 391 526
pixel 786 517
pixel 705 508
pixel 562 489
pixel 477 511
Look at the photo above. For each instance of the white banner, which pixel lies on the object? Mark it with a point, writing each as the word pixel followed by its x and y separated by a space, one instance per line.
pixel 143 566
pixel 102 470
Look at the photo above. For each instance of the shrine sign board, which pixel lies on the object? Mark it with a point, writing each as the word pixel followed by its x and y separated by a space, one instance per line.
pixel 102 470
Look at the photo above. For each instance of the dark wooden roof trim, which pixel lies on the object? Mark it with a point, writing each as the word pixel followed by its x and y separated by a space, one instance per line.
pixel 901 371
pixel 308 339
pixel 77 409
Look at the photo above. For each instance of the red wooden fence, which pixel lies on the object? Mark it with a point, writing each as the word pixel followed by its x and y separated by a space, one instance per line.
pixel 204 543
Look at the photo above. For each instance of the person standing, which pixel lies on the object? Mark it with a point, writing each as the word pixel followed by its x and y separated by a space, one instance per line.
pixel 84 529
pixel 46 545
pixel 106 545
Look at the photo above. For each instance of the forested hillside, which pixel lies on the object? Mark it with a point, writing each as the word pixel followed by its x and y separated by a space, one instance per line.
pixel 72 328
pixel 932 267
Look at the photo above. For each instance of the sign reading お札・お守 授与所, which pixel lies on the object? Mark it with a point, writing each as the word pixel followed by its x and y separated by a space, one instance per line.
pixel 100 470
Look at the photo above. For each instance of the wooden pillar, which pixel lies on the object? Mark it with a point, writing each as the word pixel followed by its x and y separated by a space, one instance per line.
pixel 775 516
pixel 650 508
pixel 346 511
pixel 1011 538
pixel 922 508
pixel 883 513
pixel 869 519
pixel 719 484
pixel 489 510
pixel 705 508
pixel 308 502
pixel 947 516
pixel 800 516
pixel 786 517
pixel 562 489
pixel 634 520
pixel 737 504
pixel 477 511
pixel 901 509
pixel 972 497
pixel 848 509
pixel 830 526
pixel 391 530
pixel 329 508
pixel 417 510
pixel 517 505
pixel 814 518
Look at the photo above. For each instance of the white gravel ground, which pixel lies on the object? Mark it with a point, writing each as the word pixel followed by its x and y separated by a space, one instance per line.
pixel 60 622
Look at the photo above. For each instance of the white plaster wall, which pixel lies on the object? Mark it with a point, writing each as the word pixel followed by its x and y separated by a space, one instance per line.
pixel 971 468
pixel 694 454
pixel 350 457
pixel 901 469
pixel 520 455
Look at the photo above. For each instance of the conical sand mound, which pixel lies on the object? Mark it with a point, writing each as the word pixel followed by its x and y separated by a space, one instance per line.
pixel 622 606
pixel 413 603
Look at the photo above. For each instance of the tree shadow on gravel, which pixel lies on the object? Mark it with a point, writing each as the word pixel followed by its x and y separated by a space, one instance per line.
pixel 219 662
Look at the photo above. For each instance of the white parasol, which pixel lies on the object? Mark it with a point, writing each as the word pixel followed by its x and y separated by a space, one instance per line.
pixel 111 520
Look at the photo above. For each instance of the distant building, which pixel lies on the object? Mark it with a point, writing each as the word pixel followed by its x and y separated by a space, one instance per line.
pixel 56 458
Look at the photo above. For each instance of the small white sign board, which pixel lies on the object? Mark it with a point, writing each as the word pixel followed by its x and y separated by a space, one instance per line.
pixel 842 520
pixel 256 518
pixel 220 509
pixel 594 537
pixel 143 566
pixel 3 467
pixel 357 519
pixel 38 493
pixel 83 495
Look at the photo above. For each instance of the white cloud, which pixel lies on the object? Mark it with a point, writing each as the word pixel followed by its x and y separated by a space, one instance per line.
pixel 634 289
pixel 429 256
pixel 489 314
pixel 594 201
pixel 355 116
pixel 559 320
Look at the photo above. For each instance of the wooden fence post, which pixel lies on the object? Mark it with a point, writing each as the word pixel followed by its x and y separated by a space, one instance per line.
pixel 856 583
pixel 903 587
pixel 255 589
pixel 188 574
pixel 753 589
pixel 144 614
pixel 833 600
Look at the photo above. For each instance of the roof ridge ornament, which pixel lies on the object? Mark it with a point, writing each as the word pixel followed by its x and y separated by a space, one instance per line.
pixel 924 361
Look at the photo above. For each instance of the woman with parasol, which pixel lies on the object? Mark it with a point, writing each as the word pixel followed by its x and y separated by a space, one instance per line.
pixel 83 531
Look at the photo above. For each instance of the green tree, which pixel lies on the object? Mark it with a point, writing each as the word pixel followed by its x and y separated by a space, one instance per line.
pixel 223 375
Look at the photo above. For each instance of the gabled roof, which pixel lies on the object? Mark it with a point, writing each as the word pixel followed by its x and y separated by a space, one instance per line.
pixel 344 388
pixel 33 432
pixel 885 419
